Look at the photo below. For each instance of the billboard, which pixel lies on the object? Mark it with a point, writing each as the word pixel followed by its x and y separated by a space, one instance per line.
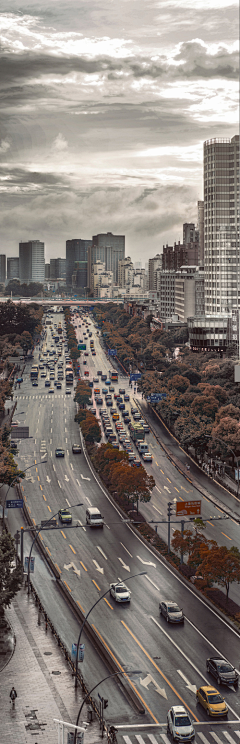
pixel 188 508
pixel 82 347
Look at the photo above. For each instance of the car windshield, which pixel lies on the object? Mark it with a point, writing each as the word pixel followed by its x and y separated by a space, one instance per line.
pixel 215 698
pixel 121 589
pixel 174 609
pixel 182 721
pixel 96 516
pixel 225 668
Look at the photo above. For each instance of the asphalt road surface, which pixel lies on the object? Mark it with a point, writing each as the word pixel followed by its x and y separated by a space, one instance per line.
pixel 172 659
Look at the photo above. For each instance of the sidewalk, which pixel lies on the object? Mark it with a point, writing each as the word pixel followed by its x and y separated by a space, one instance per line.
pixel 43 681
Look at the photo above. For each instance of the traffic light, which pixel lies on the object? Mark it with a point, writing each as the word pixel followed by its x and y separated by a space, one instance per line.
pixel 171 509
pixel 105 703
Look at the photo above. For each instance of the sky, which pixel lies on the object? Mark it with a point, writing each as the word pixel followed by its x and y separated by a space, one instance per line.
pixel 105 105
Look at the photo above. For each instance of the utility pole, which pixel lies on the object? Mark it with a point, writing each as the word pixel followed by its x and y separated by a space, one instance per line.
pixel 171 509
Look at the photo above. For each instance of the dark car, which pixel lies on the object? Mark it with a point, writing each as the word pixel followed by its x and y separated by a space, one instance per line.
pixel 222 670
pixel 121 391
pixel 99 372
pixel 76 449
pixel 35 383
pixel 59 386
pixel 59 452
pixel 171 612
pixel 47 383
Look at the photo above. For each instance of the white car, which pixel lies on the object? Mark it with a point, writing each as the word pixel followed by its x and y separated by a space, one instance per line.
pixel 147 457
pixel 120 592
pixel 179 724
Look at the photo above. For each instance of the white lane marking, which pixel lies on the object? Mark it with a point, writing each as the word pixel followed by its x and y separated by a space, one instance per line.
pixel 101 570
pixel 65 428
pixel 191 687
pixel 71 466
pixel 203 738
pixel 228 737
pixel 50 441
pixel 146 563
pixel 67 452
pixel 127 739
pixel 127 551
pixel 158 489
pixel 185 656
pixel 124 564
pixel 102 553
pixel 59 484
pixel 203 636
pixel 87 499
pixel 77 481
pixel 158 510
pixel 152 739
pixel 66 441
pixel 48 479
pixel 66 478
pixel 146 681
pixel 216 737
pixel 106 525
pixel 167 489
pixel 151 582
pixel 50 431
pixel 81 525
pixel 54 468
pixel 165 738
pixel 83 477
pixel 139 738
pixel 68 502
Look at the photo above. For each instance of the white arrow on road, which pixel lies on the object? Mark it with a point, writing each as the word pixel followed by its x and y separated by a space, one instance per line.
pixel 48 479
pixel 42 456
pixel 101 570
pixel 83 477
pixel 188 684
pixel 75 569
pixel 146 681
pixel 124 565
pixel 146 563
pixel 66 478
pixel 101 551
pixel 166 489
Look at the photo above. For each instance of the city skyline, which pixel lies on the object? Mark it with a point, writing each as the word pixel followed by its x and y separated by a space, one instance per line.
pixel 105 111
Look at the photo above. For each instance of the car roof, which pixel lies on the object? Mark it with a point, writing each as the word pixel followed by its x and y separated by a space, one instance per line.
pixel 117 583
pixel 217 658
pixel 93 510
pixel 170 602
pixel 179 709
pixel 207 688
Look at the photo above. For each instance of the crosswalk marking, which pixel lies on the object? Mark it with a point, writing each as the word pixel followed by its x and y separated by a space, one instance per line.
pixel 152 739
pixel 165 738
pixel 127 739
pixel 203 738
pixel 216 737
pixel 199 737
pixel 228 737
pixel 140 739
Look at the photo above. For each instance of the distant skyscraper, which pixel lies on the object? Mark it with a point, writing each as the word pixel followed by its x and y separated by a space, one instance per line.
pixel 2 268
pixel 57 268
pixel 12 267
pixel 200 205
pixel 76 250
pixel 221 224
pixel 31 261
pixel 154 264
pixel 109 249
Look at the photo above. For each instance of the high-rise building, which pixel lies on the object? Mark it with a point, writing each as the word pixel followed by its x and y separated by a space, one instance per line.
pixel 165 286
pixel 76 250
pixel 47 270
pixel 57 268
pixel 200 205
pixel 12 267
pixel 125 271
pixel 109 249
pixel 31 261
pixel 153 264
pixel 189 292
pixel 221 225
pixel 79 276
pixel 2 268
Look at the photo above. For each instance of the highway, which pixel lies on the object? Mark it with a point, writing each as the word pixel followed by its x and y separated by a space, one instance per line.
pixel 172 659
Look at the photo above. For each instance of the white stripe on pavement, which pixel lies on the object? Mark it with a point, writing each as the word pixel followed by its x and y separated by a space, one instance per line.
pixel 228 737
pixel 152 739
pixel 203 738
pixel 139 739
pixel 216 737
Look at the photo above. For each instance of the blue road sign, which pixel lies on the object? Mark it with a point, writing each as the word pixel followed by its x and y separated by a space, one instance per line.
pixel 14 503
pixel 26 562
pixel 80 652
pixel 112 352
pixel 135 376
pixel 156 397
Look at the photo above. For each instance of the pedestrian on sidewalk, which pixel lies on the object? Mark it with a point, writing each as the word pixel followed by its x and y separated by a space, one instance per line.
pixel 13 696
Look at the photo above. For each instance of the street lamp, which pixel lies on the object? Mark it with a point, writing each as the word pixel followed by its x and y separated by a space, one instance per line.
pixel 18 476
pixel 142 573
pixel 116 674
pixel 34 540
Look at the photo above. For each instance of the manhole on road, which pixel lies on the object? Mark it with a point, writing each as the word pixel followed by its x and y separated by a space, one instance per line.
pixel 47 653
pixel 56 672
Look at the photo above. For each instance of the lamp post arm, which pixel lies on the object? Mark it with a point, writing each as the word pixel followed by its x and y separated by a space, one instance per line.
pixel 116 674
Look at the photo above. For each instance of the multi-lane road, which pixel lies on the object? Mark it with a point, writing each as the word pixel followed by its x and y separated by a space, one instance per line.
pixel 171 660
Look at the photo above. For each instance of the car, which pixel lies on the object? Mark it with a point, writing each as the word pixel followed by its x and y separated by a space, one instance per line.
pixel 43 374
pixel 121 391
pixel 51 390
pixel 93 411
pixel 93 353
pixel 111 389
pixel 212 701
pixel 55 383
pixel 171 611
pixel 126 397
pixel 84 361
pixel 147 457
pixel 99 372
pixel 146 428
pixel 59 452
pixel 86 353
pixel 136 416
pixel 59 386
pixel 41 366
pixel 134 410
pixel 68 391
pixel 109 403
pixel 136 462
pixel 126 419
pixel 35 383
pixel 47 383
pixel 99 401
pixel 76 449
pixel 107 382
pixel 115 445
pixel 222 670
pixel 120 592
pixel 131 455
pixel 179 724
pixel 104 377
pixel 127 443
pixel 95 379
pixel 52 376
pixel 86 373
pixel 122 436
pixel 65 516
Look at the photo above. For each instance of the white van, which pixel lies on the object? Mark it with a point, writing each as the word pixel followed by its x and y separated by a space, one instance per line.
pixel 142 447
pixel 94 517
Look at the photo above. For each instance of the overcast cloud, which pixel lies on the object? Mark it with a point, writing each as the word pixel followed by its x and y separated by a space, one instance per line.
pixel 105 108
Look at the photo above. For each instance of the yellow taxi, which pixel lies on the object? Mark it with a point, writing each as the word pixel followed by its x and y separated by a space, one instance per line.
pixel 115 416
pixel 212 701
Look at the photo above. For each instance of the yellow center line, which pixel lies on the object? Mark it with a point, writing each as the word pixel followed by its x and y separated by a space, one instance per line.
pixel 176 489
pixel 49 508
pixel 48 551
pixel 38 477
pixel 82 564
pixel 217 507
pixel 223 533
pixel 36 470
pixel 35 462
pixel 40 486
pixel 81 608
pixel 159 670
pixel 108 603
pixel 169 480
pixel 33 520
pixel 162 471
pixel 128 678
pixel 44 497
pixel 68 587
pixel 62 533
pixel 41 538
pixel 70 546
pixel 57 566
pixel 94 582
pixel 212 525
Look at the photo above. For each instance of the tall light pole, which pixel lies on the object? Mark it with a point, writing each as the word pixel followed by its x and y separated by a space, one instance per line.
pixel 34 540
pixel 116 674
pixel 141 573
pixel 16 478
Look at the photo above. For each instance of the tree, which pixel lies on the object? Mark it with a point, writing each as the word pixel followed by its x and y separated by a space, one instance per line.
pixel 228 411
pixel 133 483
pixel 90 428
pixel 205 405
pixel 221 566
pixel 10 577
pixel 180 383
pixel 82 394
pixel 228 430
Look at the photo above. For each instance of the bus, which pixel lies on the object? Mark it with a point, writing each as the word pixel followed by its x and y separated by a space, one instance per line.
pixel 34 372
pixel 69 375
pixel 113 375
